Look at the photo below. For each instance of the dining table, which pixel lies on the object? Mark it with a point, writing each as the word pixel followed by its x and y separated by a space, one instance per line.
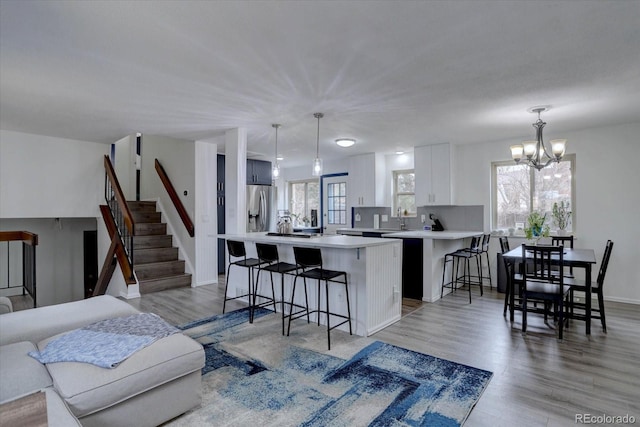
pixel 577 258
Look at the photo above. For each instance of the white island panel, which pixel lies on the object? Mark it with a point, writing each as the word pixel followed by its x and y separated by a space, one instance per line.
pixel 374 273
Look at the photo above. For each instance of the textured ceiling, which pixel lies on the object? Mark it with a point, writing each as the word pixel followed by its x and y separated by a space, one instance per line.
pixel 389 74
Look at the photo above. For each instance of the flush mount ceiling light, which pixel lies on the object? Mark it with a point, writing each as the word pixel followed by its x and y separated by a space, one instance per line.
pixel 317 162
pixel 276 165
pixel 537 155
pixel 399 152
pixel 345 142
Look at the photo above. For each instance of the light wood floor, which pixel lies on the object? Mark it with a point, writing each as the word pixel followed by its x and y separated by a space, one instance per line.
pixel 537 381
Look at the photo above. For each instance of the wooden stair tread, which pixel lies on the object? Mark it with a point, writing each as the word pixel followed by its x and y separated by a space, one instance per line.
pixel 141 206
pixel 152 241
pixel 164 283
pixel 150 228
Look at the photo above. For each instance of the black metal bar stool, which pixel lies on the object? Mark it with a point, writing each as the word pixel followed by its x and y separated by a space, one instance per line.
pixel 268 256
pixel 309 261
pixel 237 250
pixel 464 256
pixel 484 249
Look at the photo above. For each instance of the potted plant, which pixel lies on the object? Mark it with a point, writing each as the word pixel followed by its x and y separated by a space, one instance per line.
pixel 561 216
pixel 536 228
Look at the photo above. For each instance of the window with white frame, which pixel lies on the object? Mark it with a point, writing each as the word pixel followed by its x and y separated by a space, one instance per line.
pixel 337 203
pixel 404 191
pixel 304 196
pixel 519 190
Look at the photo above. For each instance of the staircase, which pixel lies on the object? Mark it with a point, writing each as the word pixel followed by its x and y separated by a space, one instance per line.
pixel 156 262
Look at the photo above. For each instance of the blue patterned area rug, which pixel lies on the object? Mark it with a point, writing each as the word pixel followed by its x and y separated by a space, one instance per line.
pixel 254 376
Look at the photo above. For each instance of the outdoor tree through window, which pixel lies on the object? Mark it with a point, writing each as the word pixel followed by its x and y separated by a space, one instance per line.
pixel 405 191
pixel 518 190
pixel 304 196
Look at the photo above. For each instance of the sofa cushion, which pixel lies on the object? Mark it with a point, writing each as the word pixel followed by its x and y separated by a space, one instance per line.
pixel 20 373
pixel 87 388
pixel 39 323
pixel 5 305
pixel 58 413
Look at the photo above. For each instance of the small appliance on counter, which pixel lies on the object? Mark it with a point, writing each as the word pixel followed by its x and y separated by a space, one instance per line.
pixel 436 225
pixel 285 226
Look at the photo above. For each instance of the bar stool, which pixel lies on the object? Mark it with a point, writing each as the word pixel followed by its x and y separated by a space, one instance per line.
pixel 237 250
pixel 268 256
pixel 309 260
pixel 484 249
pixel 464 256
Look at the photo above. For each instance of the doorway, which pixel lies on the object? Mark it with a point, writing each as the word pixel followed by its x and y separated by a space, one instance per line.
pixel 90 252
pixel 334 203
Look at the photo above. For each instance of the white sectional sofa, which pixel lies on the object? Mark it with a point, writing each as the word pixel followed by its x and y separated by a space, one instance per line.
pixel 150 387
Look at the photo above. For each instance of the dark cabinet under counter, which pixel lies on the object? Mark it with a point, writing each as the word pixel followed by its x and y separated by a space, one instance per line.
pixel 412 251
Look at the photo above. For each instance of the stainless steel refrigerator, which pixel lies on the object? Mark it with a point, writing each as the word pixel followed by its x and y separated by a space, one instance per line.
pixel 260 208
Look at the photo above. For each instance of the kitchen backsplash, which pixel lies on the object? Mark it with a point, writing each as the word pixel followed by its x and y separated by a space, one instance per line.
pixel 459 218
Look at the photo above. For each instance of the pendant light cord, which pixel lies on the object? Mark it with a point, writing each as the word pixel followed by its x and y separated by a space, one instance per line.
pixel 318 116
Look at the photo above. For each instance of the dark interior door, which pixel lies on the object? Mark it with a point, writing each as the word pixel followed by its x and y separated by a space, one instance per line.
pixel 90 240
pixel 412 268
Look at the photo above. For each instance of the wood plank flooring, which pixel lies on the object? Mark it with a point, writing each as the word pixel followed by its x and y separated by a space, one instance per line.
pixel 537 381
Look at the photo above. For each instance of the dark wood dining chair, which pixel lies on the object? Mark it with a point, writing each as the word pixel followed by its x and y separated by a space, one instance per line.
pixel 567 242
pixel 504 244
pixel 597 289
pixel 540 283
pixel 514 278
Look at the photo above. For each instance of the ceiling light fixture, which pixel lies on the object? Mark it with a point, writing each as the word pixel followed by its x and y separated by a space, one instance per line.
pixel 345 142
pixel 276 165
pixel 317 162
pixel 398 152
pixel 535 150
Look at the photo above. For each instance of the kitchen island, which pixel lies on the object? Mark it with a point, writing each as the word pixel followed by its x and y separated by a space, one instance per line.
pixel 373 267
pixel 435 245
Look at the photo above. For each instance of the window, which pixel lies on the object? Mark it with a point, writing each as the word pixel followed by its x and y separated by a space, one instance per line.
pixel 337 203
pixel 519 190
pixel 404 191
pixel 304 196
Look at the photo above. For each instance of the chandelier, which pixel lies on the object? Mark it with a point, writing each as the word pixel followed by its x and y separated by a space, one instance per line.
pixel 537 154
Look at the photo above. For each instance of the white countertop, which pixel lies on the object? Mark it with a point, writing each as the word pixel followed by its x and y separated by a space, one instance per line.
pixel 436 235
pixel 337 241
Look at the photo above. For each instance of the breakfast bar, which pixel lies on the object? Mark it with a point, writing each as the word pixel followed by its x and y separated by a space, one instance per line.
pixel 435 245
pixel 373 266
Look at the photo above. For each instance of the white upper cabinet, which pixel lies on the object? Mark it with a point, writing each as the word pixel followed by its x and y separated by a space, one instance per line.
pixel 432 164
pixel 366 173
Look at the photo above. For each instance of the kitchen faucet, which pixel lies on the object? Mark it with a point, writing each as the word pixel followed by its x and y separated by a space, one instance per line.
pixel 401 220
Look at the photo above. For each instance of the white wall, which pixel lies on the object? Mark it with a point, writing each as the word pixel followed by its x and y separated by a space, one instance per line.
pixel 607 196
pixel 124 165
pixel 178 160
pixel 45 177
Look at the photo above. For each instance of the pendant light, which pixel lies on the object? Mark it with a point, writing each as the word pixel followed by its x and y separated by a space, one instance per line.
pixel 276 165
pixel 317 163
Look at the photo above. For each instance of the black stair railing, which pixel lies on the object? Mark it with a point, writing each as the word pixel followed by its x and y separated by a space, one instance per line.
pixel 122 217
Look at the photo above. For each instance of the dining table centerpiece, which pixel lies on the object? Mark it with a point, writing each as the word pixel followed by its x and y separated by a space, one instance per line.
pixel 536 227
pixel 561 216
